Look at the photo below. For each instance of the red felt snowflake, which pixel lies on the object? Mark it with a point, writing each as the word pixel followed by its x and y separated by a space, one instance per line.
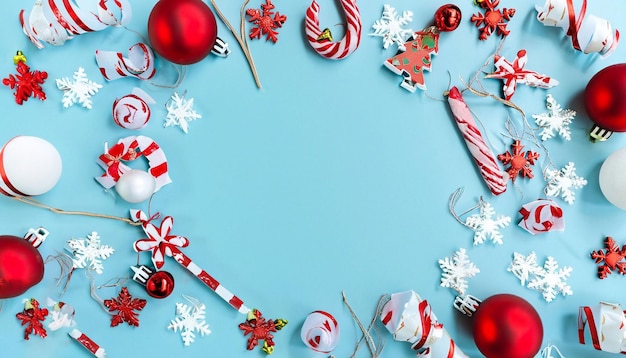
pixel 26 83
pixel 492 20
pixel 612 258
pixel 518 161
pixel 31 317
pixel 266 21
pixel 261 329
pixel 125 305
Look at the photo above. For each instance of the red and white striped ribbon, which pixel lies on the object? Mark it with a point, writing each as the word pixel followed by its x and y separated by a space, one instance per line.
pixel 139 63
pixel 133 110
pixel 320 332
pixel 56 21
pixel 607 327
pixel 325 47
pixel 88 343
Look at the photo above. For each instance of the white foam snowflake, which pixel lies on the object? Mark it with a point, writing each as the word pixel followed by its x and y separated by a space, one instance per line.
pixel 89 253
pixel 179 112
pixel 456 270
pixel 551 280
pixel 79 90
pixel 561 182
pixel 190 319
pixel 391 27
pixel 557 120
pixel 485 226
pixel 524 267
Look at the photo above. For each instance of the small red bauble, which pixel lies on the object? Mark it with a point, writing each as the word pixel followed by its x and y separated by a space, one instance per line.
pixel 160 284
pixel 507 326
pixel 21 266
pixel 447 17
pixel 182 31
pixel 604 101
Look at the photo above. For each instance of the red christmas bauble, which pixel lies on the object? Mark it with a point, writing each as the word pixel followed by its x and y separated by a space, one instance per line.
pixel 447 17
pixel 604 98
pixel 507 326
pixel 160 284
pixel 21 266
pixel 182 31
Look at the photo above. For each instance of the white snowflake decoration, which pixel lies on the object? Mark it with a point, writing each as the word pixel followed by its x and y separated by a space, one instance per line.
pixel 561 182
pixel 551 280
pixel 89 253
pixel 390 27
pixel 179 112
pixel 524 267
pixel 79 90
pixel 190 319
pixel 61 315
pixel 557 120
pixel 456 269
pixel 485 226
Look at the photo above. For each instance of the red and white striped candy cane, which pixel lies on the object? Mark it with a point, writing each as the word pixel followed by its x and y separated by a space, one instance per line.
pixel 326 47
pixel 138 64
pixel 481 153
pixel 88 343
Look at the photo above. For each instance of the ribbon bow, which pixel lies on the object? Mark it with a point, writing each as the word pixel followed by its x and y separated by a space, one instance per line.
pixel 114 156
pixel 159 240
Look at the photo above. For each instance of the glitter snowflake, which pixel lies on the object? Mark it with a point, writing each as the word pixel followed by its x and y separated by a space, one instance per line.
pixel 485 226
pixel 89 253
pixel 552 280
pixel 179 112
pixel 260 328
pixel 190 320
pixel 266 21
pixel 125 305
pixel 79 90
pixel 519 162
pixel 556 121
pixel 456 269
pixel 524 267
pixel 26 83
pixel 391 27
pixel 31 317
pixel 561 182
pixel 611 259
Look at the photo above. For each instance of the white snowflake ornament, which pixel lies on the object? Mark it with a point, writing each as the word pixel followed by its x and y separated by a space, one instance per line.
pixel 180 112
pixel 89 253
pixel 551 280
pixel 485 226
pixel 524 267
pixel 561 182
pixel 79 90
pixel 456 270
pixel 190 320
pixel 391 27
pixel 556 121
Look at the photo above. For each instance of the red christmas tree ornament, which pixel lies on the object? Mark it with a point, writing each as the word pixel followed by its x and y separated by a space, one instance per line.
pixel 447 17
pixel 31 317
pixel 261 329
pixel 493 20
pixel 265 21
pixel 158 284
pixel 610 259
pixel 125 305
pixel 518 161
pixel 604 102
pixel 26 83
pixel 182 31
pixel 21 266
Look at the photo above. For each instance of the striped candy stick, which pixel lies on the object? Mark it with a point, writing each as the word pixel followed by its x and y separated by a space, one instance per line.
pixel 324 45
pixel 484 158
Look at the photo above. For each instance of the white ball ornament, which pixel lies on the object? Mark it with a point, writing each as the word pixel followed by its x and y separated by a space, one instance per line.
pixel 136 186
pixel 613 178
pixel 29 166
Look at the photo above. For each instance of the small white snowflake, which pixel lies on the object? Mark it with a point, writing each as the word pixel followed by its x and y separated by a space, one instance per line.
pixel 485 226
pixel 79 90
pixel 390 27
pixel 89 253
pixel 179 112
pixel 456 269
pixel 524 266
pixel 190 319
pixel 557 120
pixel 551 280
pixel 61 315
pixel 561 182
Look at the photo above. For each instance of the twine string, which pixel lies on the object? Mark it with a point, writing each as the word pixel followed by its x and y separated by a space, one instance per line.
pixel 454 198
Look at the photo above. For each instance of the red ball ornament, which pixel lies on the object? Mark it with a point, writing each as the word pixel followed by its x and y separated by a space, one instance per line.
pixel 604 101
pixel 182 31
pixel 160 284
pixel 447 17
pixel 21 266
pixel 507 326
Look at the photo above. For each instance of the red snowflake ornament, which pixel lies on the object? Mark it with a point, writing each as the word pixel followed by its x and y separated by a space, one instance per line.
pixel 125 305
pixel 260 328
pixel 612 258
pixel 266 21
pixel 26 83
pixel 492 20
pixel 31 317
pixel 518 161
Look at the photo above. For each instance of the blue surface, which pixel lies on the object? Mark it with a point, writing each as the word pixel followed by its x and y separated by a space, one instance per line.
pixel 329 178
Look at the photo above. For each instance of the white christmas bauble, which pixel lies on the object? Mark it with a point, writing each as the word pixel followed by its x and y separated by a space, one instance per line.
pixel 29 166
pixel 135 186
pixel 613 178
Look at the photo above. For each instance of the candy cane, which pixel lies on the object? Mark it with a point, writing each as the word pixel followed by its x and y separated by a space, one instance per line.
pixel 139 64
pixel 324 46
pixel 88 343
pixel 480 151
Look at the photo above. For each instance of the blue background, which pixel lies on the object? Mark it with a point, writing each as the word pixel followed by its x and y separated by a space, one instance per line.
pixel 329 178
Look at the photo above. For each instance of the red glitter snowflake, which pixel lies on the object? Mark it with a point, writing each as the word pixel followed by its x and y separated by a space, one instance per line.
pixel 612 258
pixel 518 161
pixel 261 329
pixel 26 83
pixel 31 317
pixel 125 305
pixel 266 21
pixel 492 20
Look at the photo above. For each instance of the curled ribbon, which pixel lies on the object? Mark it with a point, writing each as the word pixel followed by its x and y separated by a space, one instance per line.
pixel 607 327
pixel 159 240
pixel 139 63
pixel 132 111
pixel 541 216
